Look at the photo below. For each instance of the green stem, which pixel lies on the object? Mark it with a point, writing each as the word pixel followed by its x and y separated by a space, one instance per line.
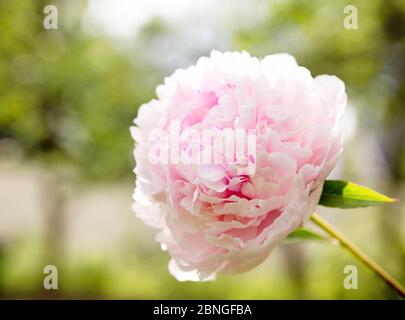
pixel 357 252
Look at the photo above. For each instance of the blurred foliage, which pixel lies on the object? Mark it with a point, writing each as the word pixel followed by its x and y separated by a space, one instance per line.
pixel 68 97
pixel 138 276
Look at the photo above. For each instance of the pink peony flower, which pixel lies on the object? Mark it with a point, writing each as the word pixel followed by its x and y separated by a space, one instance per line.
pixel 226 215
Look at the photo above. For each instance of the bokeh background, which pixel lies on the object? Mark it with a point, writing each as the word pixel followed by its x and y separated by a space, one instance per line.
pixel 68 97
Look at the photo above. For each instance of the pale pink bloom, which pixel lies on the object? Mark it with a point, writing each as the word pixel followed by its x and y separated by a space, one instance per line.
pixel 211 218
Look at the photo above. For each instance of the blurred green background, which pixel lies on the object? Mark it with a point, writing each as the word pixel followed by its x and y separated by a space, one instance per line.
pixel 68 97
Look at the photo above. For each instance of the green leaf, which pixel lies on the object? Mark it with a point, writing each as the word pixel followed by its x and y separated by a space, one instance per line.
pixel 344 194
pixel 304 234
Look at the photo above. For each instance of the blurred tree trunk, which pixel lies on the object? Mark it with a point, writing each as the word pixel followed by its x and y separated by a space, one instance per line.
pixel 393 143
pixel 53 202
pixel 295 260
